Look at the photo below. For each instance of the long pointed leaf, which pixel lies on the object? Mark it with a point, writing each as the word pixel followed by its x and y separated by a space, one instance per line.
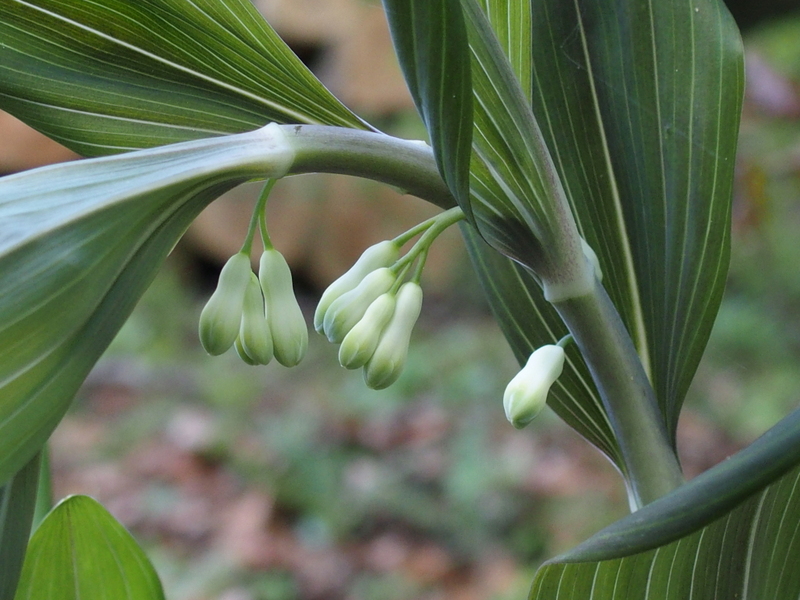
pixel 518 203
pixel 745 554
pixel 17 502
pixel 431 42
pixel 640 106
pixel 112 75
pixel 511 23
pixel 80 552
pixel 79 243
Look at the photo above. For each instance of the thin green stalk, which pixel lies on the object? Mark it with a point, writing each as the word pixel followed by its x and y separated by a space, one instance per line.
pixel 650 465
pixel 44 493
pixel 440 222
pixel 258 216
pixel 261 214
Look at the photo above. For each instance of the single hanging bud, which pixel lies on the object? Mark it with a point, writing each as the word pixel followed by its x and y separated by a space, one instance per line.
pixel 382 254
pixel 284 317
pixel 389 358
pixel 349 308
pixel 360 343
pixel 222 314
pixel 255 337
pixel 526 394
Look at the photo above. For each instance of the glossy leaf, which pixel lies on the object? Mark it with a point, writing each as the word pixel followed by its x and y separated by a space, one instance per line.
pixel 518 203
pixel 640 108
pixel 511 23
pixel 112 75
pixel 79 243
pixel 80 552
pixel 17 503
pixel 431 43
pixel 705 540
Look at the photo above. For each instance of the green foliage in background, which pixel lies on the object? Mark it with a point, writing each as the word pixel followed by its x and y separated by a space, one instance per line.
pixel 553 125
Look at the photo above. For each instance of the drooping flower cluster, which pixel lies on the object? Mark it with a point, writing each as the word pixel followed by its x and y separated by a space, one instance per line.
pixel 258 315
pixel 371 313
pixel 371 310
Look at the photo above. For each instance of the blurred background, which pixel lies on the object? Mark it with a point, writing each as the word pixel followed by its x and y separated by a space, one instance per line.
pixel 273 484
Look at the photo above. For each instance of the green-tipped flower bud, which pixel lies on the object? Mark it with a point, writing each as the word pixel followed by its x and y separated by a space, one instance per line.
pixel 255 337
pixel 389 358
pixel 526 394
pixel 219 321
pixel 382 254
pixel 349 308
pixel 284 317
pixel 360 343
pixel 243 353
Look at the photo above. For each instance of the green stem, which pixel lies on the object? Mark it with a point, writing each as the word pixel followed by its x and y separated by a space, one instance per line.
pixel 44 493
pixel 649 462
pixel 258 218
pixel 408 165
pixel 440 222
pixel 261 213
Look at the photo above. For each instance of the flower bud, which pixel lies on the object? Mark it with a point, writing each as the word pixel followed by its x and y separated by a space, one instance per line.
pixel 360 343
pixel 382 254
pixel 255 337
pixel 284 317
pixel 389 358
pixel 526 394
pixel 246 358
pixel 349 308
pixel 219 321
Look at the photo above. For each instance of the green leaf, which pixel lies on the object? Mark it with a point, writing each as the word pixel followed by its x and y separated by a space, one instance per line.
pixel 511 23
pixel 113 75
pixel 79 244
pixel 640 108
pixel 518 203
pixel 17 502
pixel 705 540
pixel 431 43
pixel 80 552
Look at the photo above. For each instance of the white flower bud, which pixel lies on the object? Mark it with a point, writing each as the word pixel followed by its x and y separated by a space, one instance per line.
pixel 222 314
pixel 526 394
pixel 382 254
pixel 389 358
pixel 349 308
pixel 360 343
pixel 243 353
pixel 284 317
pixel 255 337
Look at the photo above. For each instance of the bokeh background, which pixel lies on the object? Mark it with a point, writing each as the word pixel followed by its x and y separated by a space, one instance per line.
pixel 274 484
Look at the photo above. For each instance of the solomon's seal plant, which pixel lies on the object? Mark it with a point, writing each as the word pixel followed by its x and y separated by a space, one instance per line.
pixel 563 135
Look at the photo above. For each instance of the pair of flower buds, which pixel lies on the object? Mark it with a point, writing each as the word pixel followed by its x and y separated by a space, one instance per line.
pixel 258 315
pixel 371 315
